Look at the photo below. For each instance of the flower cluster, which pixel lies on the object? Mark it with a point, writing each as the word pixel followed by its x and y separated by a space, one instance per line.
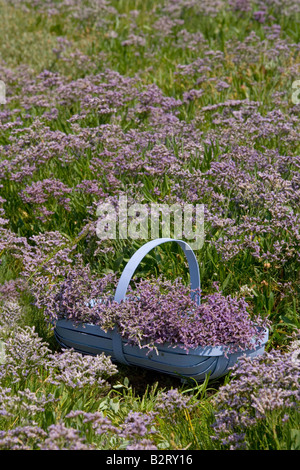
pixel 61 437
pixel 22 438
pixel 39 193
pixel 26 355
pixel 77 371
pixel 25 404
pixel 258 387
pixel 171 401
pixel 135 432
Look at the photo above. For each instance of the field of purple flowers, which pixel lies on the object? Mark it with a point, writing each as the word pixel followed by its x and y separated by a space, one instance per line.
pixel 165 101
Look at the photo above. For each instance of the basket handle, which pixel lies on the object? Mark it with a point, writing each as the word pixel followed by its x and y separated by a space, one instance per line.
pixel 143 251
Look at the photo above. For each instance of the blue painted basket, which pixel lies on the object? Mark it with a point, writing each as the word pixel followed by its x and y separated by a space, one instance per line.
pixel 197 364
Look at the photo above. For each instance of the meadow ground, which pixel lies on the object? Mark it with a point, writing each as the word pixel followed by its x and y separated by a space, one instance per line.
pixel 165 102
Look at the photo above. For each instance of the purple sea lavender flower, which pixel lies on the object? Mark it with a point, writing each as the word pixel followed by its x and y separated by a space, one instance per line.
pixel 143 444
pixel 47 257
pixel 100 423
pixel 69 290
pixel 61 437
pixel 10 290
pixel 172 401
pixel 240 5
pixel 138 425
pixel 136 430
pixel 10 313
pixel 258 386
pixel 260 16
pixel 134 40
pixel 221 85
pixel 27 437
pixel 25 354
pixel 39 194
pixel 24 403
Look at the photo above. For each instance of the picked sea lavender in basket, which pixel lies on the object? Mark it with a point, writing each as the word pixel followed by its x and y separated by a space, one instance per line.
pixel 159 311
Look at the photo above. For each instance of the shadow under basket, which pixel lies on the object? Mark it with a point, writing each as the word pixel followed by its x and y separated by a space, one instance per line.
pixel 197 364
